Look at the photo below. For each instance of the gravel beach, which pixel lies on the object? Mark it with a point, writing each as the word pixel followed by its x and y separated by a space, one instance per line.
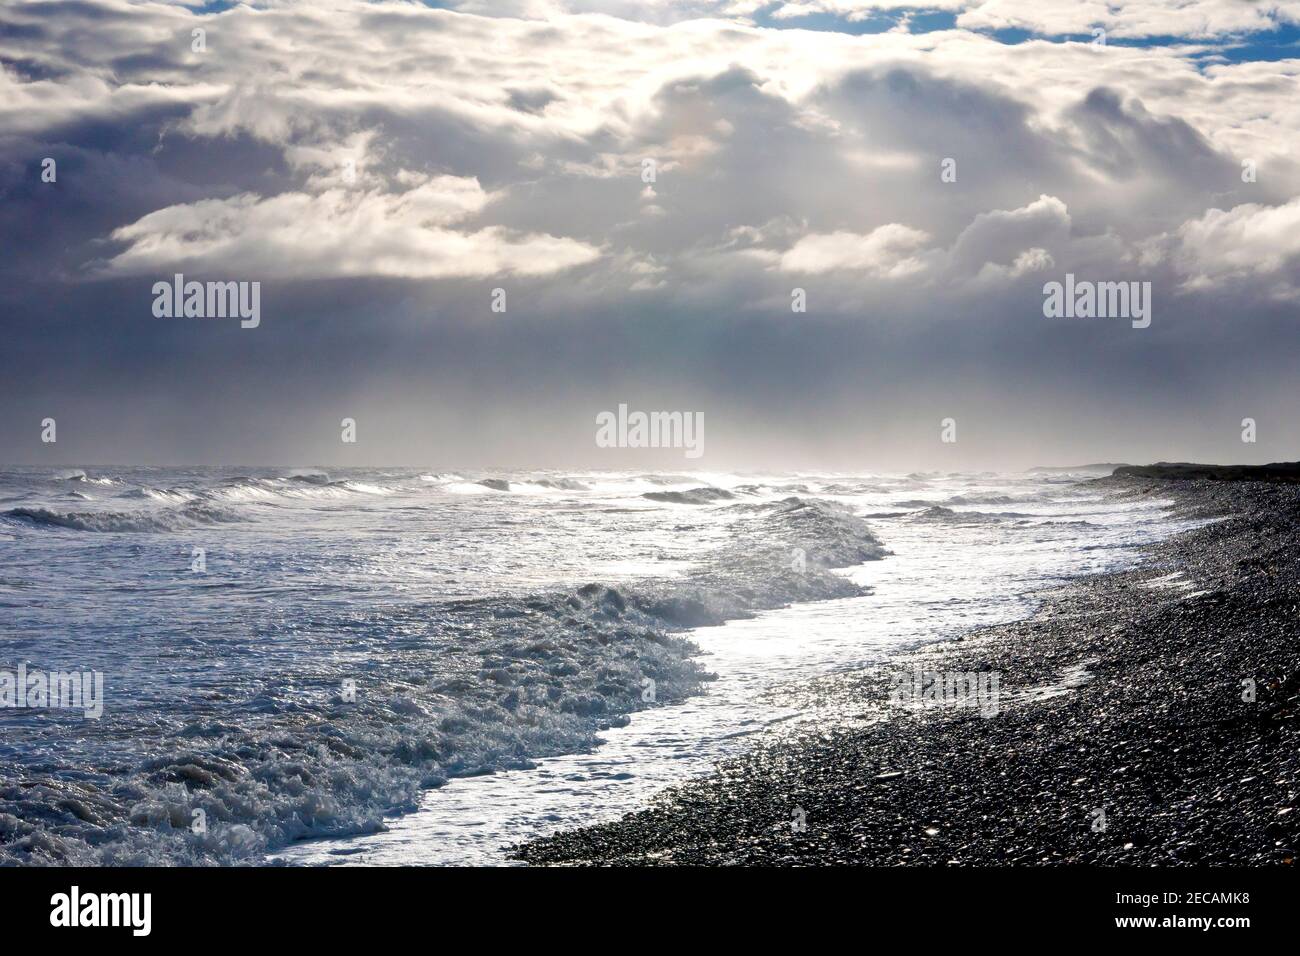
pixel 1149 717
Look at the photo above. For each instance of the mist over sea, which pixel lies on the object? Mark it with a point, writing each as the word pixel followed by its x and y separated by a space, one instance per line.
pixel 291 653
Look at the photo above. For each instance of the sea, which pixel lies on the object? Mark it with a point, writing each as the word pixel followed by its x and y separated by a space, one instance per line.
pixel 315 667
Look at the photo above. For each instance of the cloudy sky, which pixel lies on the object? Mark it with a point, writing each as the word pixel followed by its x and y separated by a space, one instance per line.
pixel 381 167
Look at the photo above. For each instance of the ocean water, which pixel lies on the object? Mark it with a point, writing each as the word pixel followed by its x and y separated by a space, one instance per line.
pixel 403 666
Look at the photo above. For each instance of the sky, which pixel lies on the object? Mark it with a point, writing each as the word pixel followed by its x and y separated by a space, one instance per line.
pixel 648 184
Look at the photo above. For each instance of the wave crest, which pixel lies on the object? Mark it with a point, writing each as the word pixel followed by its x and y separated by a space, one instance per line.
pixel 177 519
pixel 694 496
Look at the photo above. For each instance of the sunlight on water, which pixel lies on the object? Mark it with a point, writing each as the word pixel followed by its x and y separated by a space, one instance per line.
pixel 498 631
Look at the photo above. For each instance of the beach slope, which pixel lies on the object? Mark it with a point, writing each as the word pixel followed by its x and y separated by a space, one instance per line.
pixel 1149 717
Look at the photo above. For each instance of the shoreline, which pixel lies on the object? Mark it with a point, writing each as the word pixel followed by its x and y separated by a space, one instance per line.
pixel 1124 735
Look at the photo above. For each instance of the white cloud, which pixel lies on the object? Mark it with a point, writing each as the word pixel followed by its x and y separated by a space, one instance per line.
pixel 1129 18
pixel 857 10
pixel 1121 18
pixel 1003 236
pixel 1244 242
pixel 887 252
pixel 777 150
pixel 341 232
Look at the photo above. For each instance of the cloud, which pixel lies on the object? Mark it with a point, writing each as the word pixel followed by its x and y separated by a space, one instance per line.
pixel 1247 242
pixel 407 153
pixel 1197 19
pixel 858 10
pixel 1017 235
pixel 554 119
pixel 341 232
pixel 1120 18
pixel 888 252
pixel 1128 18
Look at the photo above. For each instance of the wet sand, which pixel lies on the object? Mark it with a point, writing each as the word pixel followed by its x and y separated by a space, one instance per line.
pixel 1148 717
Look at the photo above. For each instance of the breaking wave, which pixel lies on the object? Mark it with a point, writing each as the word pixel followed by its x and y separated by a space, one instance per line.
pixel 695 496
pixel 179 519
pixel 943 515
pixel 76 474
pixel 479 685
pixel 560 484
pixel 169 495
